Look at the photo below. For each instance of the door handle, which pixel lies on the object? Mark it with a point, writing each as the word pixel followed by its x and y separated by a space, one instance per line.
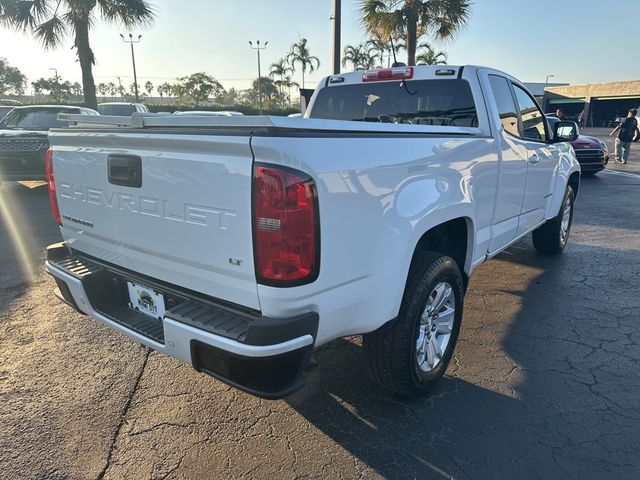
pixel 125 170
pixel 535 158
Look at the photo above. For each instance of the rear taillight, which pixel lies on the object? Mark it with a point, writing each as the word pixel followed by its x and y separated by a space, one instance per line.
pixel 48 162
pixel 286 226
pixel 382 74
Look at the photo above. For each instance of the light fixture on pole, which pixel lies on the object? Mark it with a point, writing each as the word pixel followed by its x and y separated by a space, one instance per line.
pixel 258 47
pixel 131 41
pixel 547 79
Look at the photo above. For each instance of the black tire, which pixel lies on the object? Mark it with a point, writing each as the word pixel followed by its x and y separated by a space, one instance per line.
pixel 548 238
pixel 391 352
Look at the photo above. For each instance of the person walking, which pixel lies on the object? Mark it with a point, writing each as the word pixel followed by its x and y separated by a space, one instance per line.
pixel 627 131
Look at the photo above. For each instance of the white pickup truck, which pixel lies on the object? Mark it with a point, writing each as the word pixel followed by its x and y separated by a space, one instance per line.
pixel 240 244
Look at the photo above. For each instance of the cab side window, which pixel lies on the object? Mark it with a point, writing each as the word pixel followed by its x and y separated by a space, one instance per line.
pixel 506 106
pixel 533 122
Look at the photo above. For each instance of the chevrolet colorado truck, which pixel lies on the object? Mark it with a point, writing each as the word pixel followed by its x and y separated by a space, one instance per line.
pixel 240 244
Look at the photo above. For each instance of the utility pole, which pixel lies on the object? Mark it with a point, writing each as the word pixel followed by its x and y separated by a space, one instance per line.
pixel 257 47
pixel 131 41
pixel 56 70
pixel 337 20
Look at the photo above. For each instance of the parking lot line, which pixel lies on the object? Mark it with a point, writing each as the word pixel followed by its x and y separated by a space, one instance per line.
pixel 621 174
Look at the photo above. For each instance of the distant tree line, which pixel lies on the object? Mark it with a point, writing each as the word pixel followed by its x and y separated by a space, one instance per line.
pixel 393 26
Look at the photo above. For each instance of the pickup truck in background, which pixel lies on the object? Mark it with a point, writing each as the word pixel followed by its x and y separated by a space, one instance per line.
pixel 240 244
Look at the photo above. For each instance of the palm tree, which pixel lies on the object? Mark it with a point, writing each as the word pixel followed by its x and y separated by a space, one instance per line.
pixel 412 19
pixel 288 83
pixel 165 89
pixel 149 88
pixel 280 68
pixel 430 56
pixel 377 45
pixel 52 20
pixel 359 56
pixel 352 54
pixel 300 54
pixel 76 89
pixel 113 89
pixel 103 89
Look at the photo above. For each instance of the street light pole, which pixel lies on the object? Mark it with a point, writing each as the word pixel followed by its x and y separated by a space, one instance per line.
pixel 547 79
pixel 131 41
pixel 337 20
pixel 55 70
pixel 257 47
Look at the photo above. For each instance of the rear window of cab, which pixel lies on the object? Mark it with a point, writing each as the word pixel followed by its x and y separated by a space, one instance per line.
pixel 417 102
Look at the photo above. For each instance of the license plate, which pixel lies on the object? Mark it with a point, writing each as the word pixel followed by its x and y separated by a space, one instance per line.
pixel 146 300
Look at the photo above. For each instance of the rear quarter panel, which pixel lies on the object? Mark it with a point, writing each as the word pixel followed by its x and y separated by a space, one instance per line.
pixel 377 196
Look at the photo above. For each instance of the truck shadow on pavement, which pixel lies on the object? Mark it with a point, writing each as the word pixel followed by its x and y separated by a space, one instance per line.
pixel 542 384
pixel 26 229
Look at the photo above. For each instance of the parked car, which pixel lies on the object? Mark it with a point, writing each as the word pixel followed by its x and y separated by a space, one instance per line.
pixel 240 250
pixel 4 109
pixel 24 139
pixel 591 152
pixel 6 105
pixel 205 113
pixel 121 109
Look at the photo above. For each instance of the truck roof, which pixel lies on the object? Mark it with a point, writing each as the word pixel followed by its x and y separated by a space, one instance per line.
pixel 420 72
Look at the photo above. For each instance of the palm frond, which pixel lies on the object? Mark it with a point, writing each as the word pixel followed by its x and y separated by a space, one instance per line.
pixel 444 18
pixel 23 14
pixel 127 12
pixel 51 32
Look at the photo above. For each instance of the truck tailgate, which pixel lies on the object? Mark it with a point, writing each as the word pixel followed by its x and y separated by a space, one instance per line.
pixel 185 221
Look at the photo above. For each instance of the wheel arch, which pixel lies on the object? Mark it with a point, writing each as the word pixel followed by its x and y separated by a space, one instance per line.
pixel 454 237
pixel 568 174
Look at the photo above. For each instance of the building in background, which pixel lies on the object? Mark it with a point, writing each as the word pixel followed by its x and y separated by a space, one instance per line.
pixel 537 88
pixel 604 104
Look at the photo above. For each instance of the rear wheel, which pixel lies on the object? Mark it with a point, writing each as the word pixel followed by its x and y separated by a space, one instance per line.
pixel 412 354
pixel 552 237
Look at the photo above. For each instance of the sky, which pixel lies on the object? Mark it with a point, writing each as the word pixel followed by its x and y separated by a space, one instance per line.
pixel 576 41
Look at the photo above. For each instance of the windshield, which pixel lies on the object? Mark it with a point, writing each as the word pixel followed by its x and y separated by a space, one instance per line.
pixel 419 102
pixel 30 119
pixel 116 110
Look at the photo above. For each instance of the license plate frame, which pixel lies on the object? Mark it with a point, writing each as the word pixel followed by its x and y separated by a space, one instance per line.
pixel 146 300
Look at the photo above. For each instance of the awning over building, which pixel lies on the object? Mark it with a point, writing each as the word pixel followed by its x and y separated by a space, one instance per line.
pixel 564 101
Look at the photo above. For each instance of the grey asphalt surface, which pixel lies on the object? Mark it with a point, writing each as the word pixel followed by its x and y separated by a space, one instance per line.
pixel 544 384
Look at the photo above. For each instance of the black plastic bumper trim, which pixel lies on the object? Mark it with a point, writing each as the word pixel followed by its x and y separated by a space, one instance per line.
pixel 271 377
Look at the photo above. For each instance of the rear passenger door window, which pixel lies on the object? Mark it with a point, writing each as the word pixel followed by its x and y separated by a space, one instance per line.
pixel 533 123
pixel 506 106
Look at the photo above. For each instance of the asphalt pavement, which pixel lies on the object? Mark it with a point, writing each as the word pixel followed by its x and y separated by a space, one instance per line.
pixel 544 383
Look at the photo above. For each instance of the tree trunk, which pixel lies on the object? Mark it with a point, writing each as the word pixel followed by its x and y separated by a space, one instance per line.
pixel 85 56
pixel 412 38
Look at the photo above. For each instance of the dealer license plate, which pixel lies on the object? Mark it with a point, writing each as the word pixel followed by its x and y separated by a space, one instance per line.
pixel 146 300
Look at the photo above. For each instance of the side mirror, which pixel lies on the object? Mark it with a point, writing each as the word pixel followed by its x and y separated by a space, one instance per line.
pixel 565 131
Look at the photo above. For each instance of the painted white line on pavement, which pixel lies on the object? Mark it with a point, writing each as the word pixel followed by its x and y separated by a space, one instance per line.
pixel 621 174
